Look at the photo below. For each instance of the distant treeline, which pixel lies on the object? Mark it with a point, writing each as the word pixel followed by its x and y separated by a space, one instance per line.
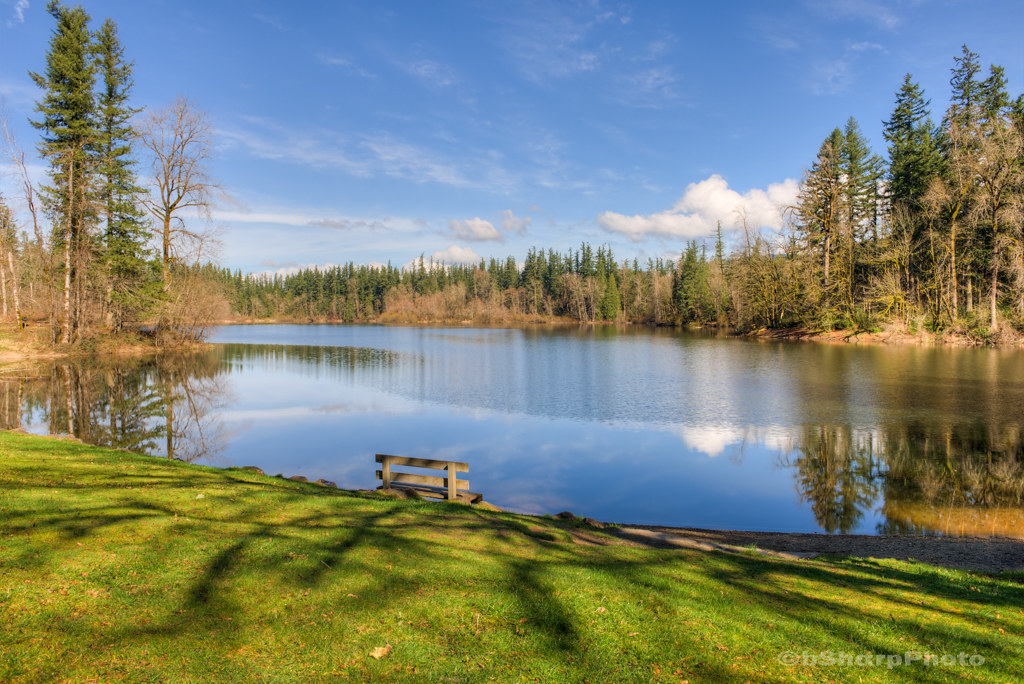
pixel 583 285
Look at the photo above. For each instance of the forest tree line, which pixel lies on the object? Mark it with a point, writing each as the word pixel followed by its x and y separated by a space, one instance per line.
pixel 929 236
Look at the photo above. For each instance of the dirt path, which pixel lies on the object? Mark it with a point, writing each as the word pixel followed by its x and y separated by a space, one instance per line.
pixel 965 553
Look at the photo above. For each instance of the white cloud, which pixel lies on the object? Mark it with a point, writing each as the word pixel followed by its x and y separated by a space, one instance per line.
pixel 475 230
pixel 288 268
pixel 510 223
pixel 705 204
pixel 18 14
pixel 369 155
pixel 456 255
pixel 312 218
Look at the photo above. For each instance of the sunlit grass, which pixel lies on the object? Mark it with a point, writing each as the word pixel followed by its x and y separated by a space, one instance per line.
pixel 120 567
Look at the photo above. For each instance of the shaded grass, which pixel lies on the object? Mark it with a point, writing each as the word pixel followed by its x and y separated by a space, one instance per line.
pixel 121 567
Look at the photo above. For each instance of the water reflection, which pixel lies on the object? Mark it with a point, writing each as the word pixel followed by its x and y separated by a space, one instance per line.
pixel 838 472
pixel 656 428
pixel 163 406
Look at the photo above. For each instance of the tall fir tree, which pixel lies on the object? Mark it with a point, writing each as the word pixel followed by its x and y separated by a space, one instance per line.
pixel 125 231
pixel 863 170
pixel 915 153
pixel 965 99
pixel 67 120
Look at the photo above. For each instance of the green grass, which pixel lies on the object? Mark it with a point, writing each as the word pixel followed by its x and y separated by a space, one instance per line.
pixel 120 567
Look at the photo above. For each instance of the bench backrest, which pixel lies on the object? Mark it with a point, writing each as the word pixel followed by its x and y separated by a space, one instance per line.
pixel 450 482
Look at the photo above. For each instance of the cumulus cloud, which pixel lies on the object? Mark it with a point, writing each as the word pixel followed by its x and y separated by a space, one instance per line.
pixel 697 213
pixel 456 255
pixel 510 223
pixel 475 230
pixel 287 268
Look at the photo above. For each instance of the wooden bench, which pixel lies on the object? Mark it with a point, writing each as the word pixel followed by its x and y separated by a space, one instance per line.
pixel 450 487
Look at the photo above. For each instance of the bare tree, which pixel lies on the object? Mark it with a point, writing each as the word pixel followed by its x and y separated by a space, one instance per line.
pixel 178 138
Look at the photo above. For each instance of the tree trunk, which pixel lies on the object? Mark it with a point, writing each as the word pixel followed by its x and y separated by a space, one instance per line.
pixel 952 271
pixel 3 286
pixel 67 253
pixel 167 251
pixel 995 291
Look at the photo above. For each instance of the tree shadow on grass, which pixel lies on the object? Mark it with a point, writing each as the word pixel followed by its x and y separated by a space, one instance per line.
pixel 302 538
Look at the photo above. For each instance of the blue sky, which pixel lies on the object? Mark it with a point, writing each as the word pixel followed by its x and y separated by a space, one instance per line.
pixel 376 131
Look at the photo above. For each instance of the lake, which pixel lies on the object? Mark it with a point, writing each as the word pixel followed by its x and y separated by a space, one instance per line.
pixel 634 425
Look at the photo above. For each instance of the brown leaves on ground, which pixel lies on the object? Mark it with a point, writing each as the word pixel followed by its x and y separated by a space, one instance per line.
pixel 381 651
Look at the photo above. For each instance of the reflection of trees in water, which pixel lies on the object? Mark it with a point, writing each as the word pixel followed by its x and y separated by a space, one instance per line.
pixel 962 479
pixel 191 390
pixel 165 406
pixel 308 359
pixel 837 472
pixel 159 407
pixel 968 478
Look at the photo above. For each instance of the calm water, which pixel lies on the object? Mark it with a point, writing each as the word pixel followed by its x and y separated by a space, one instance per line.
pixel 636 425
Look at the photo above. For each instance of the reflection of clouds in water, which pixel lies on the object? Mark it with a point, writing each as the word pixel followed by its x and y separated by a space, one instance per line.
pixel 712 440
pixel 300 412
pixel 535 504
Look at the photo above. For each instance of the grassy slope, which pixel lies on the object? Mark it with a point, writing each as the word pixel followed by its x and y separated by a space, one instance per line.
pixel 116 566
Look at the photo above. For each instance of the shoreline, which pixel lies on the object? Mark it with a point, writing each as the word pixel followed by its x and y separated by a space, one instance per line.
pixel 986 554
pixel 892 336
pixel 13 348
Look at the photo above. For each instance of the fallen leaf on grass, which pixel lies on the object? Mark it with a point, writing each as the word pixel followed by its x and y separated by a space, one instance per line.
pixel 381 651
pixel 601 609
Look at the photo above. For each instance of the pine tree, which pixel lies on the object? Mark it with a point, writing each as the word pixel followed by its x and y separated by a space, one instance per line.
pixel 125 233
pixel 965 99
pixel 915 155
pixel 610 303
pixel 67 119
pixel 820 205
pixel 863 171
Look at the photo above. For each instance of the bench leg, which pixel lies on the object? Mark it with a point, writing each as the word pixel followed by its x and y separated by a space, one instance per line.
pixel 453 490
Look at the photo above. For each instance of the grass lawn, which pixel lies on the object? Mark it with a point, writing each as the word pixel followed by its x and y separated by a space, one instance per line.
pixel 115 567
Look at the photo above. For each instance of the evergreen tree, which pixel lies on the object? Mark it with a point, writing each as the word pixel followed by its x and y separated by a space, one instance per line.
pixel 67 120
pixel 126 233
pixel 863 170
pixel 820 205
pixel 915 154
pixel 965 99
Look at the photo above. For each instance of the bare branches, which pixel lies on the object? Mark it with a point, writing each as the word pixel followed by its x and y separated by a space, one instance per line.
pixel 178 140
